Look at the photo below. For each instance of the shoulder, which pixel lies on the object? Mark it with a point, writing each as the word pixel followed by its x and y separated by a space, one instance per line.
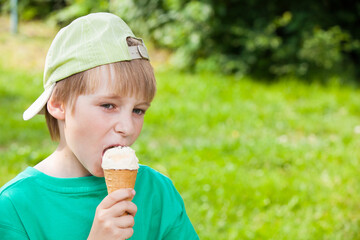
pixel 156 184
pixel 10 193
pixel 13 193
pixel 166 204
pixel 13 185
pixel 153 175
pixel 155 180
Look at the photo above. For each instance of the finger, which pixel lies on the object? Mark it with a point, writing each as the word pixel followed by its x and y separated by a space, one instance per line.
pixel 132 196
pixel 122 208
pixel 117 196
pixel 127 233
pixel 132 209
pixel 126 221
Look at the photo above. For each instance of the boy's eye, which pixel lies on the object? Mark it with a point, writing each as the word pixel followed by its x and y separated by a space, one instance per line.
pixel 108 106
pixel 138 111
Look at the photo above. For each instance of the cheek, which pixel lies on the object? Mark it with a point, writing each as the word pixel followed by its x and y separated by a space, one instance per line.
pixel 139 126
pixel 91 129
pixel 84 128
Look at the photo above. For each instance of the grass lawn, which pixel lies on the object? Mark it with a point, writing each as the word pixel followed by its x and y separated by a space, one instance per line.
pixel 251 160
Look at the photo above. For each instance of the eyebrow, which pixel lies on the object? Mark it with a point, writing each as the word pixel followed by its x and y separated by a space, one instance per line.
pixel 116 97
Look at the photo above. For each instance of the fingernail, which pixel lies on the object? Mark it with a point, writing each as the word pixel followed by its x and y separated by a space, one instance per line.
pixel 133 192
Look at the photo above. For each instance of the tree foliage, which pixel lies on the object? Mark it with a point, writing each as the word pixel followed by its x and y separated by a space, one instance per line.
pixel 265 38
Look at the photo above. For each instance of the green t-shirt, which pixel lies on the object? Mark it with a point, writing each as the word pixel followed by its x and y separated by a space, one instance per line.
pixel 36 206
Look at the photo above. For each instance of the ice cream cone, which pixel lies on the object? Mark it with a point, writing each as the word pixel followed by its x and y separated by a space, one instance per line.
pixel 120 166
pixel 119 178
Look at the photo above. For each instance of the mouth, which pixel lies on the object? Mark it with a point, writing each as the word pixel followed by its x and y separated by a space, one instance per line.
pixel 111 146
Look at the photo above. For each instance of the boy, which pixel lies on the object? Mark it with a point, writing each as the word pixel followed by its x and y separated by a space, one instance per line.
pixel 98 84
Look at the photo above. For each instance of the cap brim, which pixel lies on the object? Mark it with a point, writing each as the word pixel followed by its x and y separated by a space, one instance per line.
pixel 39 104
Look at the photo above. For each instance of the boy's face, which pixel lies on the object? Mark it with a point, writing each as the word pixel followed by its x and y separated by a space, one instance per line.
pixel 99 121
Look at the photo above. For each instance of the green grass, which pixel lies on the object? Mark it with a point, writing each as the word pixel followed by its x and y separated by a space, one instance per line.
pixel 251 160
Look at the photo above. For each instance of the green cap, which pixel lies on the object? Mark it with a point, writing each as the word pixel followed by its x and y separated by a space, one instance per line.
pixel 90 41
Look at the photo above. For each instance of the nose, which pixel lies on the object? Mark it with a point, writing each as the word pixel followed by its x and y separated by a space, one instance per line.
pixel 124 125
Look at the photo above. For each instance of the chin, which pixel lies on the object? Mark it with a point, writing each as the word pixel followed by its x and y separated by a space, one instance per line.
pixel 98 173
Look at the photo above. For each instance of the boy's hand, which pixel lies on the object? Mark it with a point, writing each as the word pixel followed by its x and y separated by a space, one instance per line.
pixel 114 217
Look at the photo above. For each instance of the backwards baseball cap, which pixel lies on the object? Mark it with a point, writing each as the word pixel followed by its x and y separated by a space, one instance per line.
pixel 90 41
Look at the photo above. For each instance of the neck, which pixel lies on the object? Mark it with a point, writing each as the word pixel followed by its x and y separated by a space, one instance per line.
pixel 62 163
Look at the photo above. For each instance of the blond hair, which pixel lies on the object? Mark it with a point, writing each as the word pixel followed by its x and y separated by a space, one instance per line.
pixel 127 78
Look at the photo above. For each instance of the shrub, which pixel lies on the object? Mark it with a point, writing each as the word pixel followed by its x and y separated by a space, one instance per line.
pixel 266 39
pixel 251 37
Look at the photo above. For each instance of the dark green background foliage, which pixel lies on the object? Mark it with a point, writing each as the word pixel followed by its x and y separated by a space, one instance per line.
pixel 263 38
pixel 257 37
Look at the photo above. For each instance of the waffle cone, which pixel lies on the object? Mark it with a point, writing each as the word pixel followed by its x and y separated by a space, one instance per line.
pixel 119 178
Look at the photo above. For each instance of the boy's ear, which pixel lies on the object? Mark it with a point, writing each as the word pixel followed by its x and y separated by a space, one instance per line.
pixel 56 108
